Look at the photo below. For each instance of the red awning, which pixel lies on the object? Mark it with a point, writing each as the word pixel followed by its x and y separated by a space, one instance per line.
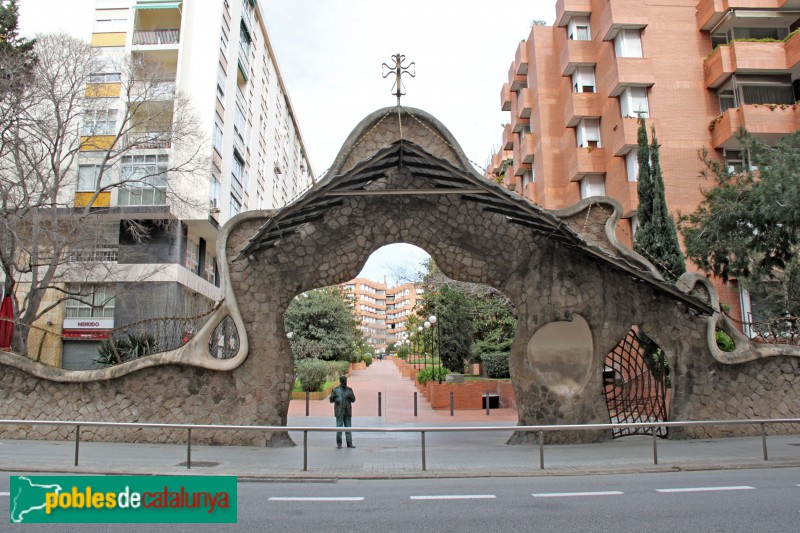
pixel 6 324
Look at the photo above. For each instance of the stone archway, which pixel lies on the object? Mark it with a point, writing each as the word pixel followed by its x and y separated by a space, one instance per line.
pixel 401 177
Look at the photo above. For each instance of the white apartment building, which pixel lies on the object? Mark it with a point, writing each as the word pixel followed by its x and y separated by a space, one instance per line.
pixel 218 54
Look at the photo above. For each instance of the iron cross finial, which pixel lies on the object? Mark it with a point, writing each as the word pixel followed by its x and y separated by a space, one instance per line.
pixel 398 69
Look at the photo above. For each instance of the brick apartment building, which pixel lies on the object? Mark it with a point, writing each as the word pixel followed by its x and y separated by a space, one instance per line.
pixel 382 311
pixel 697 70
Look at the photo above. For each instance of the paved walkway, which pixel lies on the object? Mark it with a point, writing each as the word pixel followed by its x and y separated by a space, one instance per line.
pixel 397 397
pixel 390 455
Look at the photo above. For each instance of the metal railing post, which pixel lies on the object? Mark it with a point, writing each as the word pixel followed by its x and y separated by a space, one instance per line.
pixel 541 450
pixel 189 449
pixel 415 403
pixel 764 441
pixel 655 446
pixel 422 435
pixel 307 402
pixel 305 451
pixel 379 404
pixel 452 403
pixel 77 442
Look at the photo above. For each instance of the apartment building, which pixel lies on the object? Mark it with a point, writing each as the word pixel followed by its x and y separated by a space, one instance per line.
pixel 696 70
pixel 217 53
pixel 382 311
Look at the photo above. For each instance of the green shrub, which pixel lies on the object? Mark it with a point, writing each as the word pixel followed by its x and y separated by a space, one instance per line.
pixel 338 369
pixel 114 351
pixel 724 341
pixel 496 364
pixel 312 374
pixel 367 358
pixel 432 373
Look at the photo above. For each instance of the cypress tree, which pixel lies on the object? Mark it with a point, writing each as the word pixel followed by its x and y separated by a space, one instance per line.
pixel 644 180
pixel 656 239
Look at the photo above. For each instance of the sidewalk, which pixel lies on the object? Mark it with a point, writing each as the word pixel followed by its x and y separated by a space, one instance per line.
pixel 398 455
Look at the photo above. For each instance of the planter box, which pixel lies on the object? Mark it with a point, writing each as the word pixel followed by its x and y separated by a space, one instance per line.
pixel 468 395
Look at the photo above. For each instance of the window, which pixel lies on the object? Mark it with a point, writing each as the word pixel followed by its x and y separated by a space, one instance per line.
pixel 145 180
pixel 236 206
pixel 223 43
pixel 588 133
pixel 192 256
pixel 579 29
pixel 628 43
pixel 87 178
pixel 583 80
pixel 111 25
pixel 215 191
pixel 593 185
pixel 237 168
pixel 727 100
pixel 217 138
pixel 210 272
pixel 100 122
pixel 222 79
pixel 91 301
pixel 527 179
pixel 239 122
pixel 633 102
pixel 632 165
pixel 738 161
pixel 105 77
pixel 768 94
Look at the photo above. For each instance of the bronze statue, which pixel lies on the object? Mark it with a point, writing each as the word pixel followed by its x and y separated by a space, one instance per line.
pixel 342 397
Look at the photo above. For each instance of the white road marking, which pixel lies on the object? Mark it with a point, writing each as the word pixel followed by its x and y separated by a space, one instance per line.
pixel 5 494
pixel 568 494
pixel 456 497
pixel 316 499
pixel 706 489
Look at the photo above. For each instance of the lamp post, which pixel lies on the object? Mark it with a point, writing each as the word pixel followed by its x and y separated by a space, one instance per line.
pixel 433 320
pixel 428 326
pixel 419 341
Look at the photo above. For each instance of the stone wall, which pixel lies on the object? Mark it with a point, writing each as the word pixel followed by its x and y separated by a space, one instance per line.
pixel 593 288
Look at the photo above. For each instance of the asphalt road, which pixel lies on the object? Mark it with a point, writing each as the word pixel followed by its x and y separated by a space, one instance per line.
pixel 762 500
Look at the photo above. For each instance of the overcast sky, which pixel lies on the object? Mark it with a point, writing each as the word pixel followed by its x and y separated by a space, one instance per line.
pixel 330 54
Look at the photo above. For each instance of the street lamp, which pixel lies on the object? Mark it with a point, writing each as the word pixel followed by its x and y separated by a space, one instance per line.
pixel 432 319
pixel 427 325
pixel 419 340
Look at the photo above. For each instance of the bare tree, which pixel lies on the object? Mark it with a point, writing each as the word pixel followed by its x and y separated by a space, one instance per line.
pixel 70 138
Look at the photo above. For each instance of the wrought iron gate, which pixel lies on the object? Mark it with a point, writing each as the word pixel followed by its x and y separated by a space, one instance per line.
pixel 633 393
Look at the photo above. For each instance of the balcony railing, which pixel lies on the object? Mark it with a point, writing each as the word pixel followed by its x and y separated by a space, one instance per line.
pixel 148 140
pixel 100 253
pixel 148 37
pixel 155 90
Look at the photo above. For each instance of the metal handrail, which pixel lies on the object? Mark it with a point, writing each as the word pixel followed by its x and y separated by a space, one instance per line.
pixel 540 429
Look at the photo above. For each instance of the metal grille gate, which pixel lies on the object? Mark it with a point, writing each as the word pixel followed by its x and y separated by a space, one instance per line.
pixel 632 393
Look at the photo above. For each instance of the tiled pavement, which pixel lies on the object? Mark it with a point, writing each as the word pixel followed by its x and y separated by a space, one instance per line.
pixel 398 454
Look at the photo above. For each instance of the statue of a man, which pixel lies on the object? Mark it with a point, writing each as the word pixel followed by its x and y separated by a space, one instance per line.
pixel 342 397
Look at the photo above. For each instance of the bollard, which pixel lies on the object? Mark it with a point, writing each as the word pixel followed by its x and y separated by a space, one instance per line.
pixel 305 451
pixel 189 449
pixel 764 441
pixel 655 446
pixel 77 442
pixel 451 403
pixel 541 450
pixel 379 404
pixel 486 399
pixel 422 438
pixel 415 404
pixel 307 398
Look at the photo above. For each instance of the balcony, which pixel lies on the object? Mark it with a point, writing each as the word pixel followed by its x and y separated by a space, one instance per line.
pixel 521 59
pixel 746 57
pixel 627 72
pixel 575 54
pixel 521 103
pixel 159 90
pixel 566 9
pixel 156 37
pixel 505 98
pixel 622 136
pixel 516 81
pixel 619 14
pixel 582 105
pixel 585 161
pixel 711 12
pixel 524 150
pixel 767 122
pixel 147 140
pixel 508 137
